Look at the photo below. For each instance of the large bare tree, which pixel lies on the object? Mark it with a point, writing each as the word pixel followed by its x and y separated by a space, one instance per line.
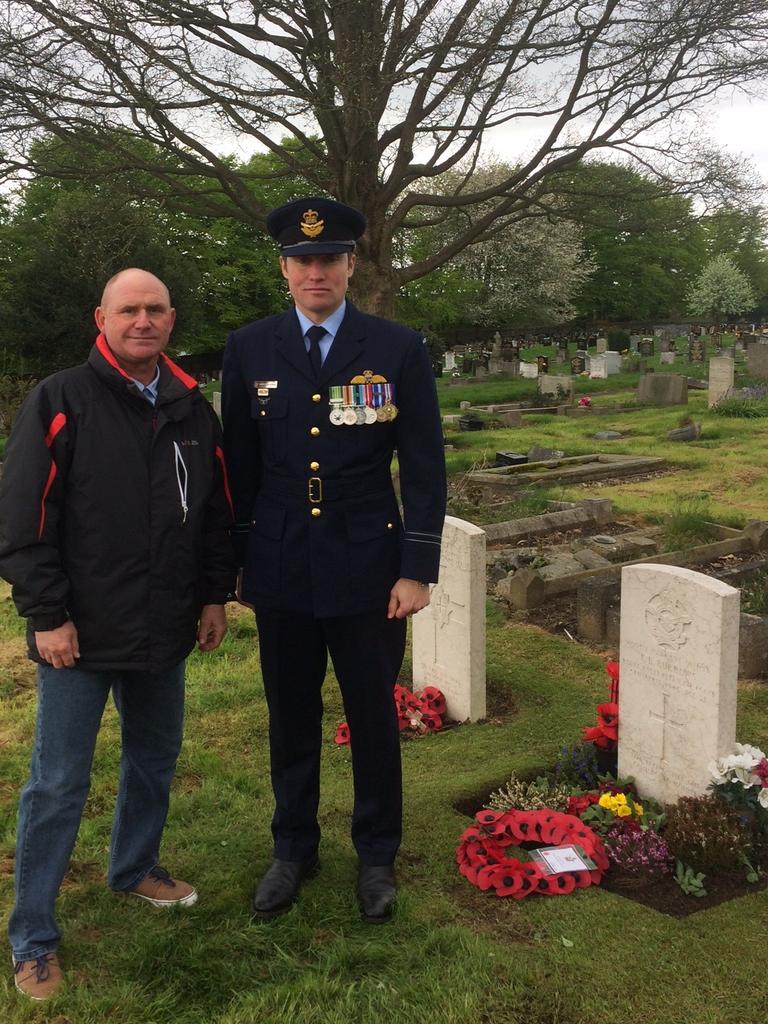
pixel 370 100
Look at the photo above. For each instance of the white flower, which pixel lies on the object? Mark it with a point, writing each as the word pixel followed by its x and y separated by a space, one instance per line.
pixel 737 767
pixel 762 797
pixel 717 774
pixel 755 753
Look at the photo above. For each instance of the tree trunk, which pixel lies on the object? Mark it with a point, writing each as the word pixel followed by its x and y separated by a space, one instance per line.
pixel 373 288
pixel 375 283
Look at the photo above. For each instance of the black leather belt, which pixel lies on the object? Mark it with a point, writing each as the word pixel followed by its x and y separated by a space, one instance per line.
pixel 314 489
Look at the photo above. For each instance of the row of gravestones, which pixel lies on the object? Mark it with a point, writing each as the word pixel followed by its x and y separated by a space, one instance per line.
pixel 679 661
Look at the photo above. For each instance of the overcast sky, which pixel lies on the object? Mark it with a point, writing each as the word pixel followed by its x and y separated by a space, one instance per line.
pixel 736 124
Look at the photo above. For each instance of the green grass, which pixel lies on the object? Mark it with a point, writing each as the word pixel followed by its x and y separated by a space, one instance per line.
pixel 727 463
pixel 743 408
pixel 689 523
pixel 452 956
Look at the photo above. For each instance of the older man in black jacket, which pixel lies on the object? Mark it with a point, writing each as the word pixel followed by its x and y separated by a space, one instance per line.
pixel 315 401
pixel 114 531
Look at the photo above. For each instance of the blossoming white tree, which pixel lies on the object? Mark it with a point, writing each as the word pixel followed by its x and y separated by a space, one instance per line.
pixel 720 289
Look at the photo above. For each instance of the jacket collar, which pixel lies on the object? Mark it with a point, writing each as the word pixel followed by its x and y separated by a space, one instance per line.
pixel 345 347
pixel 174 382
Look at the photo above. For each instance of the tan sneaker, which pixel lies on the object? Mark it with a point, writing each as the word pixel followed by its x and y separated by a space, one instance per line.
pixel 159 889
pixel 38 979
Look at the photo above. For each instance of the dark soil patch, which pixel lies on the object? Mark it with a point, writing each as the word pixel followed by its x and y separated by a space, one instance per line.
pixel 500 702
pixel 556 537
pixel 557 616
pixel 666 896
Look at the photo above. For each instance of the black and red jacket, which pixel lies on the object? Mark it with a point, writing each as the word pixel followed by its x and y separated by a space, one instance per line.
pixel 116 514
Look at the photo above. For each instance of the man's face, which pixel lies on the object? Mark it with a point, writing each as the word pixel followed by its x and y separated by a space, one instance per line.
pixel 136 318
pixel 318 284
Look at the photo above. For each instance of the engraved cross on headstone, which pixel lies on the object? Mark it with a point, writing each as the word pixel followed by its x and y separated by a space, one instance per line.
pixel 444 608
pixel 666 721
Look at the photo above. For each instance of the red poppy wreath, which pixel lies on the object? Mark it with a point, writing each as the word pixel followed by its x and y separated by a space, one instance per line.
pixel 481 858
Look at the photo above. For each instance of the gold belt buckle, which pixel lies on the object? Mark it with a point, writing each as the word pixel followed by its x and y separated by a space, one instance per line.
pixel 315 490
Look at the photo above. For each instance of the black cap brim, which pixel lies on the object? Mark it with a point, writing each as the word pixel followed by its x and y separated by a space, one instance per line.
pixel 316 248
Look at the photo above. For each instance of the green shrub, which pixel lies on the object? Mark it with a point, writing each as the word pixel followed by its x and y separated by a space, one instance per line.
pixel 529 796
pixel 706 834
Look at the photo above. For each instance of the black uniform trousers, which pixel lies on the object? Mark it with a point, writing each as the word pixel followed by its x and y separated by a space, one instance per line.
pixel 367 652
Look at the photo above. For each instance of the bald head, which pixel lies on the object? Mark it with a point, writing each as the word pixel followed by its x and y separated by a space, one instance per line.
pixel 136 277
pixel 136 319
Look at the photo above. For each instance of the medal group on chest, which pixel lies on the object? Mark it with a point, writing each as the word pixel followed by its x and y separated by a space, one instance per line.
pixel 361 403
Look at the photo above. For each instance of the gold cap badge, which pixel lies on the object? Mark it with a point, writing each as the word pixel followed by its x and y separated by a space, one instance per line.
pixel 310 225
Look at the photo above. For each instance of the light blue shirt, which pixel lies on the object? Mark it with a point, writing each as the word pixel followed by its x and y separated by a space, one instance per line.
pixel 332 325
pixel 149 391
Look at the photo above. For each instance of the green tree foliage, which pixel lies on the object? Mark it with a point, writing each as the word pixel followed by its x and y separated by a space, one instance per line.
pixel 646 247
pixel 721 289
pixel 66 236
pixel 741 234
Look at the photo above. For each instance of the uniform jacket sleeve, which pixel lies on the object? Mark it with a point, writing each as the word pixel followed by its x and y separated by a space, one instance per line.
pixel 421 461
pixel 37 458
pixel 241 444
pixel 218 562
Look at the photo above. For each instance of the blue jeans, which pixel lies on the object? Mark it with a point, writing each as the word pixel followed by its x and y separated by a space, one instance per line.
pixel 70 705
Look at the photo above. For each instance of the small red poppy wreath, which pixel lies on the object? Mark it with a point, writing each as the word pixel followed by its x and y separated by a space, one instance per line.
pixel 481 858
pixel 418 712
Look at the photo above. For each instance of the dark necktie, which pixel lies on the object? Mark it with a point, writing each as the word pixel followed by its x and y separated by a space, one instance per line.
pixel 315 334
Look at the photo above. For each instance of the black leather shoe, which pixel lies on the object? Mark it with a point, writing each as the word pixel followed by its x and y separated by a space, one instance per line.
pixel 376 890
pixel 276 892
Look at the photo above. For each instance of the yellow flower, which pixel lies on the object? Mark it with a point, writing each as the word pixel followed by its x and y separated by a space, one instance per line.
pixel 639 810
pixel 605 800
pixel 621 798
pixel 624 811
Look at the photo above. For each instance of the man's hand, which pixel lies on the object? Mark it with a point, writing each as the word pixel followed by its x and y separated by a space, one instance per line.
pixel 213 626
pixel 406 598
pixel 59 647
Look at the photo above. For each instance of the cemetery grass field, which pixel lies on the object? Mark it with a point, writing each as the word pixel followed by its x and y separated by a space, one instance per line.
pixel 452 956
pixel 726 465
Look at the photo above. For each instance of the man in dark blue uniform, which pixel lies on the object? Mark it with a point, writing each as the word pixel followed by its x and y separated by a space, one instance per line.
pixel 315 403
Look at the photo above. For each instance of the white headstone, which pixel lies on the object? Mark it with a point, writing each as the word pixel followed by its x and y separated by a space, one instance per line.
pixel 677 694
pixel 598 366
pixel 601 345
pixel 449 360
pixel 721 370
pixel 217 402
pixel 612 362
pixel 449 634
pixel 529 370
